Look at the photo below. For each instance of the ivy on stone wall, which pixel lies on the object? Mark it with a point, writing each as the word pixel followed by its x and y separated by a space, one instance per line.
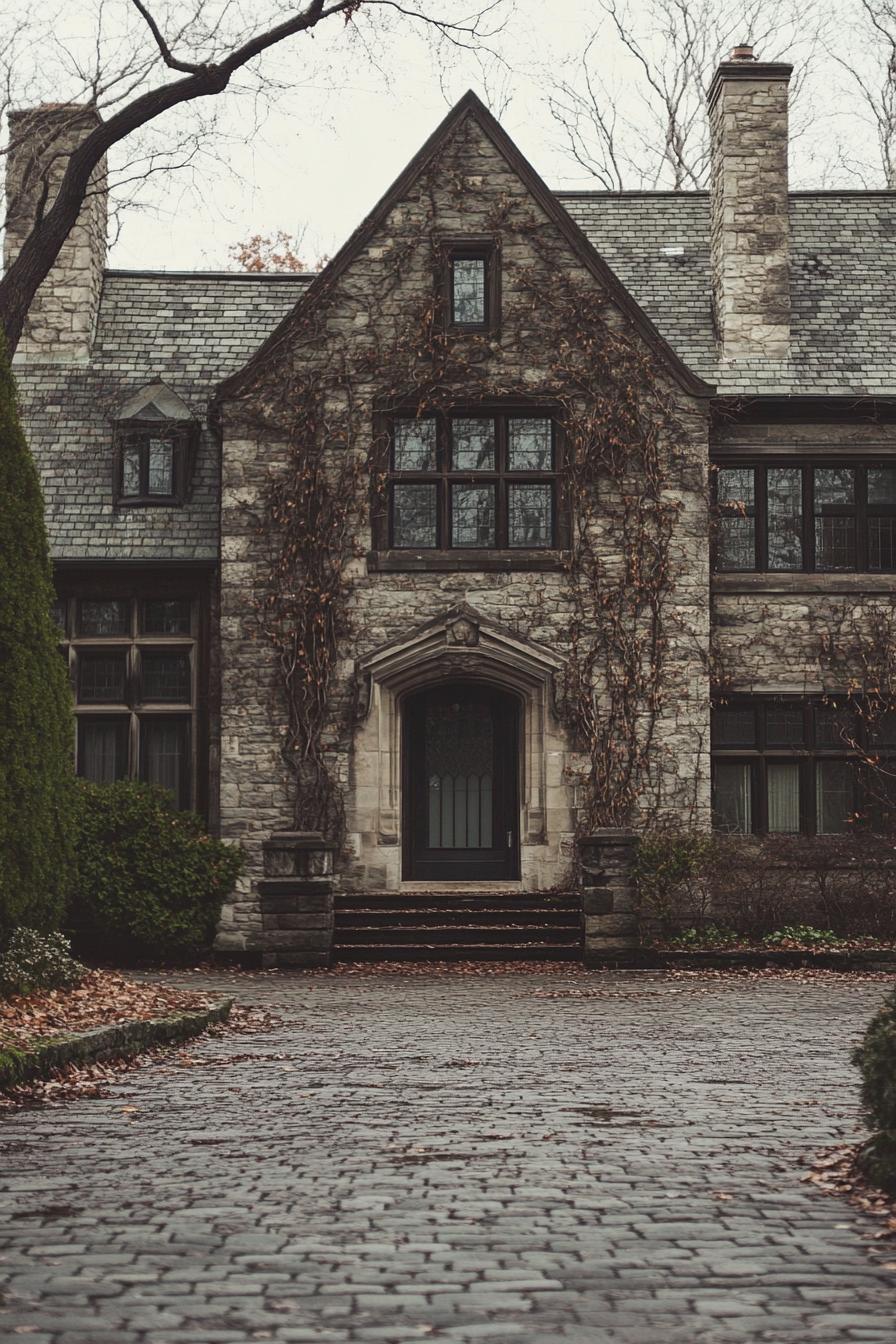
pixel 625 455
pixel 858 655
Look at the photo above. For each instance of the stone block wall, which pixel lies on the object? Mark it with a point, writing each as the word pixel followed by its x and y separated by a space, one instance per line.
pixel 62 319
pixel 750 220
pixel 366 324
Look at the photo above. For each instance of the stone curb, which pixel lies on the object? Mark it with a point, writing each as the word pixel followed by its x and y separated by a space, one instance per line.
pixel 647 959
pixel 122 1040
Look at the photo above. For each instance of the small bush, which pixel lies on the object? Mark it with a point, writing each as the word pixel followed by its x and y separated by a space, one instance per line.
pixel 876 1060
pixel 35 961
pixel 670 883
pixel 150 881
pixel 802 935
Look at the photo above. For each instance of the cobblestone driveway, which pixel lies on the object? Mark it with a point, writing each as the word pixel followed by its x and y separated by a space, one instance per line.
pixel 458 1159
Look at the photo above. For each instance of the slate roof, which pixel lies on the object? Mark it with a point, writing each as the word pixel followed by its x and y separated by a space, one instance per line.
pixel 187 329
pixel 194 329
pixel 843 272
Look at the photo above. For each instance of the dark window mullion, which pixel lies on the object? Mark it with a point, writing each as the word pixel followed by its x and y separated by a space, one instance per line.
pixel 808 800
pixel 760 510
pixel 861 498
pixel 760 783
pixel 443 465
pixel 809 517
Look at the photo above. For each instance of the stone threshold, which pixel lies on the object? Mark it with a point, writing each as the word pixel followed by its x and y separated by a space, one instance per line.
pixel 455 888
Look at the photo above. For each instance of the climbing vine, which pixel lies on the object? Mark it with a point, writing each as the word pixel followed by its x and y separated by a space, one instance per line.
pixel 858 654
pixel 383 344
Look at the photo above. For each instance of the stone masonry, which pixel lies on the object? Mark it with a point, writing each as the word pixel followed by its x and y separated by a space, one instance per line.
pixel 62 321
pixel 750 216
pixel 365 310
pixel 780 302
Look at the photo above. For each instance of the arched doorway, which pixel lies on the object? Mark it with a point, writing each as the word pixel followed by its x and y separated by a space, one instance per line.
pixel 460 771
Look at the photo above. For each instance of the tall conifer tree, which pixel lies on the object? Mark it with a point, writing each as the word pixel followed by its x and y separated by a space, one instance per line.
pixel 36 721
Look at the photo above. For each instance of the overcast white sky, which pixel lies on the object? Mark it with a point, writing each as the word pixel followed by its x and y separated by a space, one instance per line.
pixel 341 127
pixel 332 145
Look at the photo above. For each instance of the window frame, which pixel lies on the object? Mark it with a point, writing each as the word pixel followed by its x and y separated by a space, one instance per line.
pixel 807 464
pixel 443 477
pixel 74 588
pixel 182 437
pixel 474 248
pixel 807 755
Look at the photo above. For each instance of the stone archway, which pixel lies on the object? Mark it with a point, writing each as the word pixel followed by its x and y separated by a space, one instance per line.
pixel 460 645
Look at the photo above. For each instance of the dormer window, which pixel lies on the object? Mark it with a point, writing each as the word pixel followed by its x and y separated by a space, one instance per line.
pixel 154 437
pixel 471 284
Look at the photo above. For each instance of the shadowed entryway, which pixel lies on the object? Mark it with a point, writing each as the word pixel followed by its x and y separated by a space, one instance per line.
pixel 461 784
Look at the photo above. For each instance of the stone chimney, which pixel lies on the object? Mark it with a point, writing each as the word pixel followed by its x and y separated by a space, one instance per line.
pixel 62 321
pixel 750 221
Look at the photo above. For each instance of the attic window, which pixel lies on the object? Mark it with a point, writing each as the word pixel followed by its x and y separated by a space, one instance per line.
pixel 154 437
pixel 470 284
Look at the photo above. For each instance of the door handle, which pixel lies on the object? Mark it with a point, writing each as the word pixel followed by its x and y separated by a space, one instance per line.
pixel 510 839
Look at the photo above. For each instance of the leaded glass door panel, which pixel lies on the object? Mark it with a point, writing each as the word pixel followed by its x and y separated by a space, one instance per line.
pixel 460 813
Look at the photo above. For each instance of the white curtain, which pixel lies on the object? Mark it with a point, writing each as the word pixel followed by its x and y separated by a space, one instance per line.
pixel 784 797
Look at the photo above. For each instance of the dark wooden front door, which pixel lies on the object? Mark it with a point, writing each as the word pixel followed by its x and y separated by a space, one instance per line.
pixel 461 748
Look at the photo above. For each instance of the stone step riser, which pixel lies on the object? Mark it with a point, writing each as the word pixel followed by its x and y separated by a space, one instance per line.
pixel 460 952
pixel 535 919
pixel 436 936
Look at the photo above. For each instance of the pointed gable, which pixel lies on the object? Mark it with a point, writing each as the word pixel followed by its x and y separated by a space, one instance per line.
pixel 469 108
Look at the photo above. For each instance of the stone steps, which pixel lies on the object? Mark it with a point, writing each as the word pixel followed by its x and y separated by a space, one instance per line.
pixel 454 926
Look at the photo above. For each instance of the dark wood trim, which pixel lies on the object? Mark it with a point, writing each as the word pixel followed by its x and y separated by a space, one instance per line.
pixel 443 478
pixel 134 581
pixel 773 410
pixel 859 511
pixel 808 753
pixel 458 248
pixel 183 438
pixel 485 561
pixel 321 287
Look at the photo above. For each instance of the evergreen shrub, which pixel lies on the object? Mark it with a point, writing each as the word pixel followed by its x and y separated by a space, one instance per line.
pixel 150 880
pixel 36 719
pixel 876 1060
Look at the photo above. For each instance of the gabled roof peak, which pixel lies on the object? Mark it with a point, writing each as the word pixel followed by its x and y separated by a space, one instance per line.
pixel 470 104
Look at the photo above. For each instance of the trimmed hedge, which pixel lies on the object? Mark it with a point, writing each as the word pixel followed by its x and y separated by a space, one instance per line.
pixel 36 718
pixel 150 881
pixel 876 1060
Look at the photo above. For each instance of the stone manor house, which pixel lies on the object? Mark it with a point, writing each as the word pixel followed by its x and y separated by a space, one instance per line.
pixel 184 423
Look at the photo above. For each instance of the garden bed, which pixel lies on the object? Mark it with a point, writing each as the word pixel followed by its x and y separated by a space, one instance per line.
pixel 106 1016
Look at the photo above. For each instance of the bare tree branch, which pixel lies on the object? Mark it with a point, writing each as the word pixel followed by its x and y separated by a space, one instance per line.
pixel 133 108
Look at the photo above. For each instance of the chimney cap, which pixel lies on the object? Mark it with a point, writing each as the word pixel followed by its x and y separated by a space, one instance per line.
pixel 742 52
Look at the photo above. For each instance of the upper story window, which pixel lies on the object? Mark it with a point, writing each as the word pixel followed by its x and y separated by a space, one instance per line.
pixel 790 766
pixel 471 284
pixel 831 517
pixel 154 438
pixel 473 481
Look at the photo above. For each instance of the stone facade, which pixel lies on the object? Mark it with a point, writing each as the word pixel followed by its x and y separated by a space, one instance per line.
pixel 404 624
pixel 796 364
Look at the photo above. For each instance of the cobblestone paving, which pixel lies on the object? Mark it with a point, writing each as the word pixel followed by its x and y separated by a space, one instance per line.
pixel 458 1158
